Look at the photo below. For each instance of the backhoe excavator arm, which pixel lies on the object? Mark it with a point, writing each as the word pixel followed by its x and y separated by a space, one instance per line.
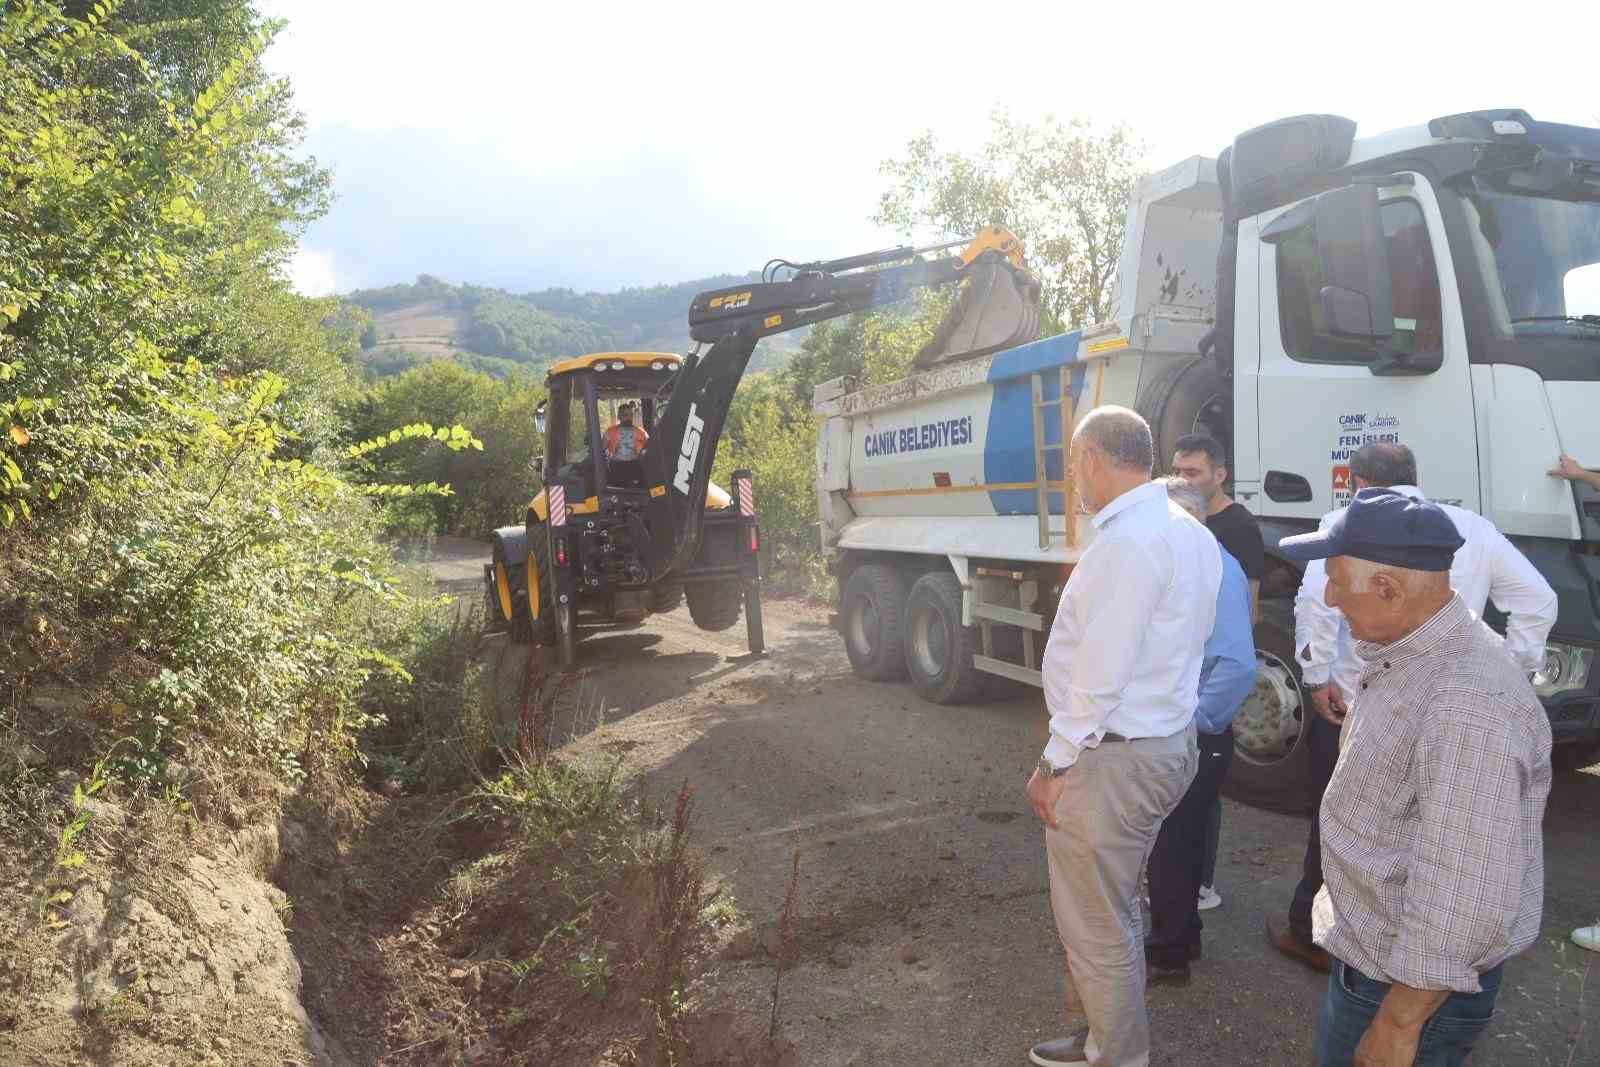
pixel 998 309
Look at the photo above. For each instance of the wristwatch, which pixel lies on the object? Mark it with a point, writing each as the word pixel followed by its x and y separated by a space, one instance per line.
pixel 1047 771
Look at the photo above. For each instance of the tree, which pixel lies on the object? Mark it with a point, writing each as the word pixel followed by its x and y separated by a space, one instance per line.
pixel 490 486
pixel 1059 186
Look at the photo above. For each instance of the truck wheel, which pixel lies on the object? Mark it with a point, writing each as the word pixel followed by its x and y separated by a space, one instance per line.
pixel 511 588
pixel 1188 397
pixel 870 613
pixel 939 649
pixel 1271 768
pixel 543 629
pixel 1574 757
pixel 714 606
pixel 666 597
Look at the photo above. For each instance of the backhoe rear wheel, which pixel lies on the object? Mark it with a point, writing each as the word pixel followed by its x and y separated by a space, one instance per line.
pixel 511 588
pixel 715 606
pixel 543 629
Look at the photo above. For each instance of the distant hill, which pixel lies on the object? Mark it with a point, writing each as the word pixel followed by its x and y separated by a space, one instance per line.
pixel 497 331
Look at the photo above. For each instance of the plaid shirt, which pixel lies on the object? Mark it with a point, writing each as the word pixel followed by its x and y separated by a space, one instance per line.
pixel 1432 857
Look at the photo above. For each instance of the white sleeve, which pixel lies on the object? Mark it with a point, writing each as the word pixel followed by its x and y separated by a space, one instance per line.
pixel 1518 589
pixel 1316 625
pixel 1112 597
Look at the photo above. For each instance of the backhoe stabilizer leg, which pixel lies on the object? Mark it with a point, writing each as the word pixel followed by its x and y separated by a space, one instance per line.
pixel 754 632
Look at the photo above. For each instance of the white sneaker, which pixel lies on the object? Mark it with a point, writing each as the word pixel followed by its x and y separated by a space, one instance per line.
pixel 1587 937
pixel 1209 899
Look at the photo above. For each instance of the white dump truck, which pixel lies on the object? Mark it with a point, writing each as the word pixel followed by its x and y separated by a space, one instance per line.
pixel 1306 292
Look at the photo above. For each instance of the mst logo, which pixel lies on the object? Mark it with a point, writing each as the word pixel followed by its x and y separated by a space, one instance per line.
pixel 689 452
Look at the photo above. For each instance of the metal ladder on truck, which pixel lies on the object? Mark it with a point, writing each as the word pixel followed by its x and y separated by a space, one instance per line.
pixel 1032 624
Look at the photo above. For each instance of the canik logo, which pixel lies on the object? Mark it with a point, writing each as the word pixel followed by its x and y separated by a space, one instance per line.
pixel 689 452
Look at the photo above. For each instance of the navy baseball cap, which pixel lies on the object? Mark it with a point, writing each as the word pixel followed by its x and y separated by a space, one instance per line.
pixel 1383 526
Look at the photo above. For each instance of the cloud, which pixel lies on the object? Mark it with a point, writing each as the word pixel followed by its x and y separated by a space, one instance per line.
pixel 311 272
pixel 630 143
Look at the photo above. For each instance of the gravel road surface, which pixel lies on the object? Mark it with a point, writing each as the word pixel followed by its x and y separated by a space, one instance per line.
pixel 922 918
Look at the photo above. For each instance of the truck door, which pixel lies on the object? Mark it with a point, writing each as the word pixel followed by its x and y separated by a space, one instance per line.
pixel 1320 397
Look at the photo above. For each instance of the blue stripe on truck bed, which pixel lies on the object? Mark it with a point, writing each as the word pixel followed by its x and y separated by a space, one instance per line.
pixel 1035 356
pixel 1008 448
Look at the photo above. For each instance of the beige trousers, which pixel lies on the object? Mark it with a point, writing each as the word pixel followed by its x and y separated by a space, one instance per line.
pixel 1112 803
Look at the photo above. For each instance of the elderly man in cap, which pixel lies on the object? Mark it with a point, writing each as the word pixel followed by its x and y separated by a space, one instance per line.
pixel 1432 859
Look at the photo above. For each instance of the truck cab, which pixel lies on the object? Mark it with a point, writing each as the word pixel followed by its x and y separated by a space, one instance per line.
pixel 1437 286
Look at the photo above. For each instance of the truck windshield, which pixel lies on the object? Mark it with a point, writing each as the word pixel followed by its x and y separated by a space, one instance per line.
pixel 1540 257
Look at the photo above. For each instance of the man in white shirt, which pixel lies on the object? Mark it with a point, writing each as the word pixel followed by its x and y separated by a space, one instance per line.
pixel 1487 567
pixel 1121 680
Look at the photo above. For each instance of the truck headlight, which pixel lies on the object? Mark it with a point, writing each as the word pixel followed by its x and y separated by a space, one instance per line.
pixel 1566 667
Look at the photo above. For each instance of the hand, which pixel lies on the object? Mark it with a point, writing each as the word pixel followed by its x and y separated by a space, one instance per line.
pixel 1043 792
pixel 1567 467
pixel 1571 470
pixel 1387 1044
pixel 1329 704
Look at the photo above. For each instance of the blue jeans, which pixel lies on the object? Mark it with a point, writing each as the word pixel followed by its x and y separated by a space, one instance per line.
pixel 1447 1038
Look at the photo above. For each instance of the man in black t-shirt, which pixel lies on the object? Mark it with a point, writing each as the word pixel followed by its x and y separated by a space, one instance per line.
pixel 1200 461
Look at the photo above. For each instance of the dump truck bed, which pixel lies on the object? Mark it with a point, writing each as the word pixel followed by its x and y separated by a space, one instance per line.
pixel 949 461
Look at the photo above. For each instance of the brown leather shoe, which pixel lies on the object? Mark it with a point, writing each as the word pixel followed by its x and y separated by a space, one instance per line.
pixel 1311 955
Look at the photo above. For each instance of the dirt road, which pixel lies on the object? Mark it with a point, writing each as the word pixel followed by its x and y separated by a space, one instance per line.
pixel 924 926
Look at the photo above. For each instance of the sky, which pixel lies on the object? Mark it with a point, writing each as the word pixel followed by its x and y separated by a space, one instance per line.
pixel 596 146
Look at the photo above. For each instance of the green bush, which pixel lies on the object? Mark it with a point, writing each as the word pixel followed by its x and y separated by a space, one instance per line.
pixel 491 487
pixel 172 451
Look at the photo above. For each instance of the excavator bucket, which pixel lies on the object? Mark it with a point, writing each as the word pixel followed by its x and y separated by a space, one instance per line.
pixel 997 307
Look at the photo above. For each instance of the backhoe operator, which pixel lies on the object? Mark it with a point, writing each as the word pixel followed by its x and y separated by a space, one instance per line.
pixel 624 440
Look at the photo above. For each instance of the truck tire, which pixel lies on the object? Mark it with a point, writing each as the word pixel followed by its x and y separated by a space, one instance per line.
pixel 666 597
pixel 1188 397
pixel 938 648
pixel 1271 767
pixel 543 629
pixel 870 614
pixel 1574 757
pixel 714 606
pixel 511 584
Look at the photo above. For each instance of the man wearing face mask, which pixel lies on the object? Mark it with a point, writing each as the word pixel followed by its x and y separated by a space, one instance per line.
pixel 1121 681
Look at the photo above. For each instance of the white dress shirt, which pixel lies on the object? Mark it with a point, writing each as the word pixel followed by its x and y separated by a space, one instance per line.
pixel 1124 651
pixel 1488 567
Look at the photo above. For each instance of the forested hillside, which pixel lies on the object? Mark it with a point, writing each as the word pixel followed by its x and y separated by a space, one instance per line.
pixel 495 331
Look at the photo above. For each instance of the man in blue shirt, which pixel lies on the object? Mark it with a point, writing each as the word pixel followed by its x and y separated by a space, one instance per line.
pixel 1227 674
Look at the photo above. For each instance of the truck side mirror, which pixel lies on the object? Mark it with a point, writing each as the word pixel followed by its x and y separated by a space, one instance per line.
pixel 538 419
pixel 1357 298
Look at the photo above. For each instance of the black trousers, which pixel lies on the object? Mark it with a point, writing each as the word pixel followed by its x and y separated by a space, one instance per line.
pixel 1322 745
pixel 1179 856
